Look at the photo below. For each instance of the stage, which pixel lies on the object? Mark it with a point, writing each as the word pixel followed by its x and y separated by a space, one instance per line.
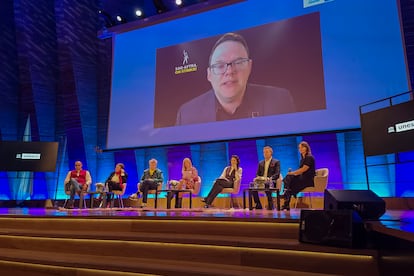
pixel 397 223
pixel 196 241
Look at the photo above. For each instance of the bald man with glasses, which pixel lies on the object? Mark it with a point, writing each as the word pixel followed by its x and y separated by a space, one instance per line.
pixel 231 96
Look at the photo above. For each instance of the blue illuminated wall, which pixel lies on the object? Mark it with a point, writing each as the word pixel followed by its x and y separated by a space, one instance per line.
pixel 56 70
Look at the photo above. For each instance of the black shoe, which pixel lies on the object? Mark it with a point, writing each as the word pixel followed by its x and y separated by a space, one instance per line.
pixel 285 207
pixel 258 207
pixel 206 206
pixel 70 204
pixel 287 196
pixel 203 199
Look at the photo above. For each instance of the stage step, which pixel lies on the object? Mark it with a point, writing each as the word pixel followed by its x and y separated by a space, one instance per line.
pixel 186 247
pixel 285 229
pixel 76 264
pixel 186 238
pixel 53 251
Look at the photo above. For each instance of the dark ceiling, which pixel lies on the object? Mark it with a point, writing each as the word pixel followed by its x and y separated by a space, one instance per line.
pixel 126 9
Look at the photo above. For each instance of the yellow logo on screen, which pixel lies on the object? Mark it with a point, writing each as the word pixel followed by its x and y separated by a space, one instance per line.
pixel 186 67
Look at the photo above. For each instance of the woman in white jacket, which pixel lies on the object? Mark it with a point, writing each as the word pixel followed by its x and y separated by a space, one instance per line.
pixel 229 176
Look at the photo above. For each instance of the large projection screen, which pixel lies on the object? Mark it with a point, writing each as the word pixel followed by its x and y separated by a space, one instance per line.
pixel 311 68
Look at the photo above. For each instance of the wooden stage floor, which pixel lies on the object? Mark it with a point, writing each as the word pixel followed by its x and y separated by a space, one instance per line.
pixel 184 213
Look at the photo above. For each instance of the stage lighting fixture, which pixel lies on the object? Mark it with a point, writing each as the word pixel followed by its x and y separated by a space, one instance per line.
pixel 160 6
pixel 107 19
pixel 178 2
pixel 120 19
pixel 138 13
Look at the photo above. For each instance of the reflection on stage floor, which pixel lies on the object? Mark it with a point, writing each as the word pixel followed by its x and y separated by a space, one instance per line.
pixel 200 213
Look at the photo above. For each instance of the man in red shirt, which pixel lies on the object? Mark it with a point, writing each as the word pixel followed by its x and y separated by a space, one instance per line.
pixel 77 181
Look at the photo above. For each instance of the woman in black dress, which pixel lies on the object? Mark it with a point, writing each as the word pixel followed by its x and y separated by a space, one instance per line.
pixel 296 181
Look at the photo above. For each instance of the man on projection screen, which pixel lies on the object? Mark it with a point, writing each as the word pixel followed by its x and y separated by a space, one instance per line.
pixel 231 96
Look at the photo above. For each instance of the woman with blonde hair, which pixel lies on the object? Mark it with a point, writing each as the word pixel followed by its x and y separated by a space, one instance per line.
pixel 188 180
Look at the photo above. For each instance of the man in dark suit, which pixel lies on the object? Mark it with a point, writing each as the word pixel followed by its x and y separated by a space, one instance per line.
pixel 231 96
pixel 268 168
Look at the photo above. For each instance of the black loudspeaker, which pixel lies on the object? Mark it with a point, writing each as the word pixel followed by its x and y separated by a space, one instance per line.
pixel 343 228
pixel 365 202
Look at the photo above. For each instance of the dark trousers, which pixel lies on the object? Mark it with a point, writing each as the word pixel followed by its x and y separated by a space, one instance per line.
pixel 74 187
pixel 295 183
pixel 145 187
pixel 218 186
pixel 256 198
pixel 112 186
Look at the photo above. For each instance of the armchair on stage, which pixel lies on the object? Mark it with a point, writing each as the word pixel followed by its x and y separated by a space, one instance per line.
pixel 138 194
pixel 197 185
pixel 321 182
pixel 232 191
pixel 155 192
pixel 103 192
pixel 81 195
pixel 119 195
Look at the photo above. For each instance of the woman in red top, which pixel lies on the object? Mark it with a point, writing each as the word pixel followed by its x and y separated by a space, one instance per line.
pixel 116 180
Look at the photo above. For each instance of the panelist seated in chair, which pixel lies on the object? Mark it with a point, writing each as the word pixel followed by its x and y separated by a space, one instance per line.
pixel 189 180
pixel 268 169
pixel 151 179
pixel 228 177
pixel 297 180
pixel 77 181
pixel 116 181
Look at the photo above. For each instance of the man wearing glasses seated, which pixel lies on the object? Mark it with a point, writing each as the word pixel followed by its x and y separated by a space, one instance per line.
pixel 231 96
pixel 76 182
